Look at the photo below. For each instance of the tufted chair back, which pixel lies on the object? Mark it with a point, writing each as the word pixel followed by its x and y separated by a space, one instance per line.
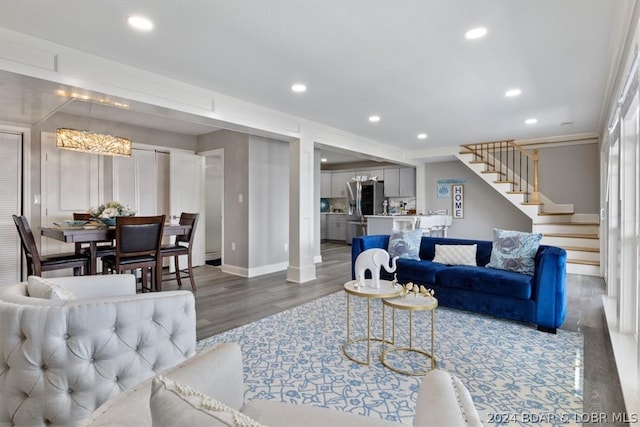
pixel 60 360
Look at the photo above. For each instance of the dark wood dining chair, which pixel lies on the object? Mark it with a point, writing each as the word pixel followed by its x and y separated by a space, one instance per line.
pixel 104 248
pixel 37 264
pixel 138 242
pixel 183 245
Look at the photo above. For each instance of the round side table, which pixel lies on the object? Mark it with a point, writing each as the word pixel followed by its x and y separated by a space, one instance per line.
pixel 387 289
pixel 410 303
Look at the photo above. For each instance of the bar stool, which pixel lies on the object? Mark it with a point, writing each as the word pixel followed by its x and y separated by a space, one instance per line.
pixel 178 248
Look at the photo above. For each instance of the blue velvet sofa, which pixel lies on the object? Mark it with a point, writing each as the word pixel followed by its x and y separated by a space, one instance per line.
pixel 539 299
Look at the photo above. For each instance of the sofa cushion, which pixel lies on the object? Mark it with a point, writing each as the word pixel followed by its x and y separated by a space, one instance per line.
pixel 456 254
pixel 428 248
pixel 405 244
pixel 43 288
pixel 173 404
pixel 421 272
pixel 501 282
pixel 514 250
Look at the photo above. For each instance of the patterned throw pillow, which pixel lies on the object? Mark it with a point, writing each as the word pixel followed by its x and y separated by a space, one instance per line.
pixel 514 251
pixel 405 244
pixel 175 404
pixel 456 254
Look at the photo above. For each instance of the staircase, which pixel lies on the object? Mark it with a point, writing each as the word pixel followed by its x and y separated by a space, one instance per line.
pixel 513 172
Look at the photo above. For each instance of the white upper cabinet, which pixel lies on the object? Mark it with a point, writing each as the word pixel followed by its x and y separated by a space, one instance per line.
pixel 339 183
pixel 400 182
pixel 325 184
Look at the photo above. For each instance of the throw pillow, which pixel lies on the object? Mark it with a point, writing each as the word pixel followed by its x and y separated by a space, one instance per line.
pixel 405 244
pixel 174 404
pixel 456 254
pixel 514 251
pixel 37 287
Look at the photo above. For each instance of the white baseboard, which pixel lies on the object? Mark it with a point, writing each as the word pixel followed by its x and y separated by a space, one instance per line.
pixel 317 259
pixel 253 272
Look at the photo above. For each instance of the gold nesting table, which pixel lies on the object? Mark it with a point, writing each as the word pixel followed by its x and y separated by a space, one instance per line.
pixel 386 290
pixel 410 303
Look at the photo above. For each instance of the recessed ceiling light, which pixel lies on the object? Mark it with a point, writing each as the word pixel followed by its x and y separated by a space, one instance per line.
pixel 531 121
pixel 476 33
pixel 512 92
pixel 299 87
pixel 374 119
pixel 140 23
pixel 422 136
pixel 324 159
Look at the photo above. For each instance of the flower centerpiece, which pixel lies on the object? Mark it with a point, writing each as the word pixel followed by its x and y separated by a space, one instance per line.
pixel 108 212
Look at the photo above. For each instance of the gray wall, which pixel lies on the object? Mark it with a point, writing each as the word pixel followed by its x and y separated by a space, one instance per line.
pixel 484 208
pixel 236 182
pixel 268 201
pixel 571 174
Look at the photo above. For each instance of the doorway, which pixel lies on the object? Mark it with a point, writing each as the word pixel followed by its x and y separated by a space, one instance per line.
pixel 214 189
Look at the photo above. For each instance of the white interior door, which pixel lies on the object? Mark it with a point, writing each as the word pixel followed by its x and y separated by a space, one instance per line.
pixel 186 176
pixel 70 183
pixel 10 204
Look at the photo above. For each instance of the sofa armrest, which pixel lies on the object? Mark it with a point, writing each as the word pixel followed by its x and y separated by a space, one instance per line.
pixel 98 286
pixel 444 401
pixel 550 290
pixel 216 371
pixel 362 243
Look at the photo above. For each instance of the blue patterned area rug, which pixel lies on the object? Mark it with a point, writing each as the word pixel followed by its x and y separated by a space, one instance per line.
pixel 513 372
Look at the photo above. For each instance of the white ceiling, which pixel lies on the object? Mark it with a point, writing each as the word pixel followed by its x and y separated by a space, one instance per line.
pixel 407 61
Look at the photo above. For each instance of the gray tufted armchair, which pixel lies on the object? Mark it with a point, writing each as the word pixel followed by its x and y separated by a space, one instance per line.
pixel 60 360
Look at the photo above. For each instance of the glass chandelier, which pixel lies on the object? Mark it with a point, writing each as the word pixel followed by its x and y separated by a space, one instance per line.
pixel 90 142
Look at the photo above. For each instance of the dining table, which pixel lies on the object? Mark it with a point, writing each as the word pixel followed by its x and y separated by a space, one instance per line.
pixel 96 233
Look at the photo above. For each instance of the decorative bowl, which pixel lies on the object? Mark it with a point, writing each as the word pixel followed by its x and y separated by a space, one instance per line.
pixel 110 222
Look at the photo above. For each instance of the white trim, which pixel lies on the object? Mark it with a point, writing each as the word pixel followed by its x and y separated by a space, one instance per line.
pixel 254 272
pixel 625 352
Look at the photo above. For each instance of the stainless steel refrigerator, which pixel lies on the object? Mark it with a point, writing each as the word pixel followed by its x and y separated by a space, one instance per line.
pixel 364 197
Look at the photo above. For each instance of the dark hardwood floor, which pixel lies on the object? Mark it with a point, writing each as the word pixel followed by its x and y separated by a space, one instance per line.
pixel 224 302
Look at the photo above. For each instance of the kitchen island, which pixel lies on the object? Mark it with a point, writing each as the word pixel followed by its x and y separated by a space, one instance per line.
pixel 383 224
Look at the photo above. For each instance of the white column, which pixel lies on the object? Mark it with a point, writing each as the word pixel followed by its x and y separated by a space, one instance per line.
pixel 301 210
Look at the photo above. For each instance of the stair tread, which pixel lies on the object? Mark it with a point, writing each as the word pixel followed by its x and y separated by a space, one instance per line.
pixel 582 261
pixel 566 223
pixel 532 203
pixel 555 213
pixel 498 172
pixel 517 192
pixel 571 235
pixel 580 249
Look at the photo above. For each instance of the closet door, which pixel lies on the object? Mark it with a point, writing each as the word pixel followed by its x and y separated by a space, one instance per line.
pixel 141 181
pixel 10 204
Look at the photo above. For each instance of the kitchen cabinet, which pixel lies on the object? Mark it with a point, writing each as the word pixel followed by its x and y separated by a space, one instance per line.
pixel 325 184
pixel 336 227
pixel 339 183
pixel 400 182
pixel 324 235
pixel 371 172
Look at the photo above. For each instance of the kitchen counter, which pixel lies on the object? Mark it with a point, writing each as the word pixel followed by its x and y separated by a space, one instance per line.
pixel 383 224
